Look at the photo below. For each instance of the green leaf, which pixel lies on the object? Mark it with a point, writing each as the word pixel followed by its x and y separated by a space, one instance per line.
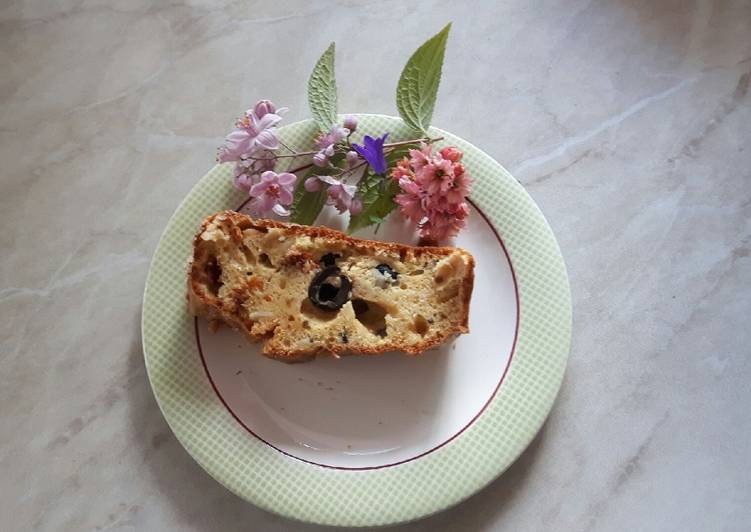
pixel 306 206
pixel 418 85
pixel 322 91
pixel 377 194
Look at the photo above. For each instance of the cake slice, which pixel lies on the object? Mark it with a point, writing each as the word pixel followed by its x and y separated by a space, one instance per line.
pixel 307 291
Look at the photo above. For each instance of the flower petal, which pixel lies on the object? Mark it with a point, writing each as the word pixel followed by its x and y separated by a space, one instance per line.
pixel 268 120
pixel 269 176
pixel 259 189
pixel 285 196
pixel 268 139
pixel 286 178
pixel 329 180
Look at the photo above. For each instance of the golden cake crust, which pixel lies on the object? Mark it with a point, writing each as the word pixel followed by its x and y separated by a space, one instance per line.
pixel 254 275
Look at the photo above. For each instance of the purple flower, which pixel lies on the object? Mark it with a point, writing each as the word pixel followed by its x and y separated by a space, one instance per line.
pixel 320 160
pixel 273 193
pixel 251 135
pixel 372 151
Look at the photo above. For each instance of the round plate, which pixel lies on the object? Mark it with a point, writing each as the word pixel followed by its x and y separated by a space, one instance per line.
pixel 368 440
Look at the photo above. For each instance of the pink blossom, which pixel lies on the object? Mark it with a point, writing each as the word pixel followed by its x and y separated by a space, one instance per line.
pixel 352 158
pixel 356 207
pixel 252 135
pixel 443 224
pixel 312 184
pixel 339 194
pixel 436 176
pixel 320 160
pixel 433 191
pixel 350 123
pixel 402 169
pixel 451 153
pixel 411 200
pixel 335 135
pixel 264 107
pixel 460 185
pixel 421 157
pixel 273 193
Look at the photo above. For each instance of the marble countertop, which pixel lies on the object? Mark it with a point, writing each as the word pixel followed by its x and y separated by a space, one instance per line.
pixel 629 122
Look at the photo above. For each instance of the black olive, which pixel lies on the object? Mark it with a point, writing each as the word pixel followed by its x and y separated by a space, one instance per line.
pixel 385 269
pixel 329 259
pixel 326 295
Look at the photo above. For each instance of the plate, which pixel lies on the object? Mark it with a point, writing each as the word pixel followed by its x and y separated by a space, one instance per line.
pixel 363 441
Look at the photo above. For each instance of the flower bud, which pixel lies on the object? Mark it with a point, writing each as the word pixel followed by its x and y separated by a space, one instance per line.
pixel 355 207
pixel 320 159
pixel 264 107
pixel 329 151
pixel 352 158
pixel 452 154
pixel 244 181
pixel 312 184
pixel 350 122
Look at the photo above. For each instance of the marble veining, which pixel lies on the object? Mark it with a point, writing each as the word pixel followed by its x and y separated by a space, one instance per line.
pixel 627 121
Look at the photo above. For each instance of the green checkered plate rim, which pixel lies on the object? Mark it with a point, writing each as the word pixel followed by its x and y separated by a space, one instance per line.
pixel 411 490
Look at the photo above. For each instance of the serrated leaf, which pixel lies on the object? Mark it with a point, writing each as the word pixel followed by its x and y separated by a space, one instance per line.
pixel 306 206
pixel 418 85
pixel 322 91
pixel 377 195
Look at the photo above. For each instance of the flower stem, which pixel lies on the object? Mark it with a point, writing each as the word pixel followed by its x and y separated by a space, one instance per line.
pixel 289 156
pixel 291 150
pixel 300 168
pixel 403 142
pixel 295 154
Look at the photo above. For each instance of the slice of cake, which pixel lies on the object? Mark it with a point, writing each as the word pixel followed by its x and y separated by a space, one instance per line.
pixel 306 290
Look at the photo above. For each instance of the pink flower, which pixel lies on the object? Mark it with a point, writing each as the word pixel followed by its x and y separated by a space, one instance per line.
pixel 252 135
pixel 335 135
pixel 356 207
pixel 421 157
pixel 460 185
pixel 443 224
pixel 339 194
pixel 402 169
pixel 433 191
pixel 273 193
pixel 350 123
pixel 265 160
pixel 436 176
pixel 264 107
pixel 451 153
pixel 320 160
pixel 411 200
pixel 312 184
pixel 352 158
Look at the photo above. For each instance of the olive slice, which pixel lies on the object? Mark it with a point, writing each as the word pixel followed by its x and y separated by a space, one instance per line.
pixel 327 295
pixel 385 269
pixel 329 259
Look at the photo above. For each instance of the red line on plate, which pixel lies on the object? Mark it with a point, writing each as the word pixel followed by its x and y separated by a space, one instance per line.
pixel 425 453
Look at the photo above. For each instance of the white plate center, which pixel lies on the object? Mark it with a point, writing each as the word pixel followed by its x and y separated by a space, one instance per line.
pixel 375 411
